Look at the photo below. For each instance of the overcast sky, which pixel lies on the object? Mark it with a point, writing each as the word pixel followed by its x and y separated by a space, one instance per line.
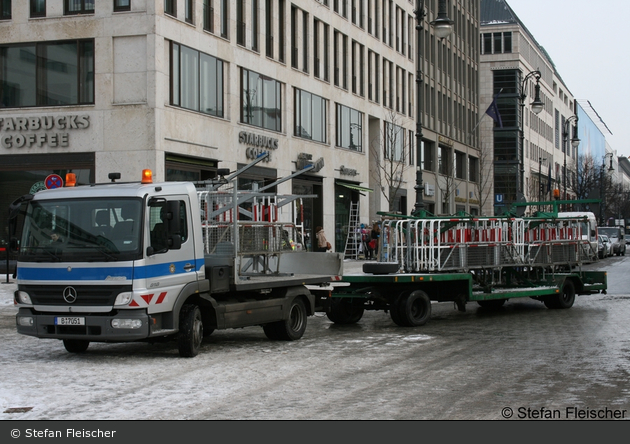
pixel 588 42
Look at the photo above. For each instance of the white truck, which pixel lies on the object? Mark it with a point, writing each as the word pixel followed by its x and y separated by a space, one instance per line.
pixel 150 261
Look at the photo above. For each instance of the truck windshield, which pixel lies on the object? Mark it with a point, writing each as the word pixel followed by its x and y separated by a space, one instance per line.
pixel 77 230
pixel 612 232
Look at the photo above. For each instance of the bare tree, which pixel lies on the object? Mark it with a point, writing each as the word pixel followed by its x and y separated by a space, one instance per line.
pixel 391 156
pixel 486 176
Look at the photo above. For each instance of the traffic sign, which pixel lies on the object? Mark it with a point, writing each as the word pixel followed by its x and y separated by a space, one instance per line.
pixel 53 181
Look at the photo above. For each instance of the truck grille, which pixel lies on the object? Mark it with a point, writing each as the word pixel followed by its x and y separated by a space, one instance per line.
pixel 87 295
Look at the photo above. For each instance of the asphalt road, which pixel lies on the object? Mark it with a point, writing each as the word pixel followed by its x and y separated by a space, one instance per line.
pixel 523 361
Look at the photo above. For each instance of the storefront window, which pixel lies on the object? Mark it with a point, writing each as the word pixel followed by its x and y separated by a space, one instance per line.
pixel 16 182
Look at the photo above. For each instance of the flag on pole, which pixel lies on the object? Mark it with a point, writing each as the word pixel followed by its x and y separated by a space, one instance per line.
pixel 493 111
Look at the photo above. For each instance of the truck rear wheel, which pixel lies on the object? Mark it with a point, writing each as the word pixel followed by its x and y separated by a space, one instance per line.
pixel 76 345
pixel 292 328
pixel 414 309
pixel 345 311
pixel 190 331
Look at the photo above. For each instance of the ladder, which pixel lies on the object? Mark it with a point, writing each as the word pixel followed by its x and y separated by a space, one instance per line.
pixel 353 240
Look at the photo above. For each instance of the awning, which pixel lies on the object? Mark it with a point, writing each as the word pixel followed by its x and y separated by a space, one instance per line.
pixel 355 187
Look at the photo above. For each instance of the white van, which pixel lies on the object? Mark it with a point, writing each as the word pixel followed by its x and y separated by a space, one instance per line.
pixel 589 229
pixel 617 237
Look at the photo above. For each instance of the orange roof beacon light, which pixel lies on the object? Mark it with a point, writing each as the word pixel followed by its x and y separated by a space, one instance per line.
pixel 71 179
pixel 556 193
pixel 147 176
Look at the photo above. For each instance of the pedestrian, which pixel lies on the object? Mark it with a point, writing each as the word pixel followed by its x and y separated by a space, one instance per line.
pixel 365 242
pixel 322 243
pixel 374 235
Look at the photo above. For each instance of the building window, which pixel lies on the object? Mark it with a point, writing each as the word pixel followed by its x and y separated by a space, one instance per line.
pixel 473 169
pixel 444 161
pixel 282 24
pixel 261 102
pixel 310 116
pixel 294 37
pixel 326 53
pixel 189 11
pixel 196 80
pixel 225 18
pixel 460 165
pixel 240 23
pixel 5 9
pixel 170 7
pixel 255 25
pixel 78 7
pixel 208 16
pixel 394 142
pixel 305 42
pixel 507 42
pixel 426 155
pixel 47 74
pixel 269 28
pixel 349 128
pixel 122 5
pixel 38 8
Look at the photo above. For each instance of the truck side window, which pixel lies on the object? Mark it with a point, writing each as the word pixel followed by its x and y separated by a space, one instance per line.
pixel 159 226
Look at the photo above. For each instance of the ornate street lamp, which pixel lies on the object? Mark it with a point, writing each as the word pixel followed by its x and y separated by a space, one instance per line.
pixel 443 28
pixel 575 142
pixel 602 196
pixel 537 106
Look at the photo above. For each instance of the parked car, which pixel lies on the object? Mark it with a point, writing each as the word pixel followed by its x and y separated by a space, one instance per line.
pixel 617 238
pixel 627 236
pixel 604 246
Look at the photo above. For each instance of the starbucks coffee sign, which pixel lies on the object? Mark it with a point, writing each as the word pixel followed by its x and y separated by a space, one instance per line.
pixel 40 131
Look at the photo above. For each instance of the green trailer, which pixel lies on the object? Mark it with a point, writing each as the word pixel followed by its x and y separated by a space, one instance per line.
pixel 464 259
pixel 408 296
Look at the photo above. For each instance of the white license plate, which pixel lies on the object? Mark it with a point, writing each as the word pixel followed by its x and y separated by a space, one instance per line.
pixel 69 321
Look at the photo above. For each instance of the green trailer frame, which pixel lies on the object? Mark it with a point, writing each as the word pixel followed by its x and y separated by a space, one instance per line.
pixel 408 297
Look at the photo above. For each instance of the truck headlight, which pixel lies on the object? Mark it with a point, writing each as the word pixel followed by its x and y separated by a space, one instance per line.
pixel 25 321
pixel 22 297
pixel 123 298
pixel 127 323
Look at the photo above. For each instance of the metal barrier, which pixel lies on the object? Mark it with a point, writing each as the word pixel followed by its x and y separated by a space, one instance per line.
pixel 464 244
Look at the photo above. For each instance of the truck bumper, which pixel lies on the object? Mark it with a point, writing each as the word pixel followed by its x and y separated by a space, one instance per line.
pixel 94 329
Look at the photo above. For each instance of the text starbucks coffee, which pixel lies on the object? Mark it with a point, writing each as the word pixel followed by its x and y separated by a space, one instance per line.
pixel 52 131
pixel 257 144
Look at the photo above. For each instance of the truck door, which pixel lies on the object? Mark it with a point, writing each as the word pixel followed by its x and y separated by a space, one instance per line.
pixel 170 254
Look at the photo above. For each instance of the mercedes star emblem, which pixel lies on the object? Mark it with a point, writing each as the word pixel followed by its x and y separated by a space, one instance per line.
pixel 69 295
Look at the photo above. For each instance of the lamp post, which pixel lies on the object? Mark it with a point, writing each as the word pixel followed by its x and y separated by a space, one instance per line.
pixel 540 161
pixel 602 222
pixel 575 142
pixel 537 106
pixel 443 27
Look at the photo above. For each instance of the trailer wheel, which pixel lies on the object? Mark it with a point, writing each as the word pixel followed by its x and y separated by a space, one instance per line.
pixel 190 331
pixel 292 328
pixel 394 309
pixel 492 304
pixel 76 345
pixel 414 309
pixel 562 300
pixel 345 311
pixel 566 299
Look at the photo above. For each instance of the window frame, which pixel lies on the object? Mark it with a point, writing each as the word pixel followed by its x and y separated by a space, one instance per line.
pixel 33 6
pixel 340 127
pixel 170 7
pixel 176 93
pixel 299 118
pixel 119 8
pixel 5 5
pixel 83 10
pixel 268 97
pixel 85 66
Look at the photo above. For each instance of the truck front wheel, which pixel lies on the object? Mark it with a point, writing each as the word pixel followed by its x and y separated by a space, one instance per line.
pixel 292 328
pixel 76 345
pixel 190 331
